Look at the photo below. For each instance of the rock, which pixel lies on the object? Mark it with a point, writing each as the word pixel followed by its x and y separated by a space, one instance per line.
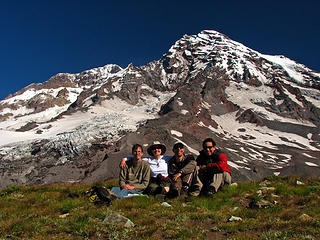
pixel 64 215
pixel 233 218
pixel 262 204
pixel 259 192
pixel 251 117
pixel 305 217
pixel 114 218
pixel 234 209
pixel 165 204
pixel 265 183
pixel 267 188
pixel 264 190
pixel 299 182
pixel 234 184
pixel 275 196
pixel 215 229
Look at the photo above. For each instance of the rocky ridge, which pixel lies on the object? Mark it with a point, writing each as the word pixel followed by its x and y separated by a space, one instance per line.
pixel 263 110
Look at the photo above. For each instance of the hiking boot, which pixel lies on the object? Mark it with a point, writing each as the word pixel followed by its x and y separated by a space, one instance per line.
pixel 211 191
pixel 195 191
pixel 160 196
pixel 173 193
pixel 184 190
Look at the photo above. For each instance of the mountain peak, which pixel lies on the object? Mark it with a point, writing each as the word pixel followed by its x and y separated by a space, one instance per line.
pixel 211 48
pixel 263 110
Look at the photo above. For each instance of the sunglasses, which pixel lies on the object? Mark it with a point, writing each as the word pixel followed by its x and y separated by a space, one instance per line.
pixel 208 147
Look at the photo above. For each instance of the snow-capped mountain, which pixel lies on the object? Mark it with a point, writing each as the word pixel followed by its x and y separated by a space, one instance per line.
pixel 262 110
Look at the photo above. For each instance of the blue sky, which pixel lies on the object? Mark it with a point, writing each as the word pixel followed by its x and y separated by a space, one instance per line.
pixel 40 38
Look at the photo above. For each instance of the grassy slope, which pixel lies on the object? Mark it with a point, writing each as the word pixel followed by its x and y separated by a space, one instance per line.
pixel 36 212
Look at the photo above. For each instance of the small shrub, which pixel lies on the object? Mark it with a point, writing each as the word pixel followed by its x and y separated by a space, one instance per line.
pixel 11 189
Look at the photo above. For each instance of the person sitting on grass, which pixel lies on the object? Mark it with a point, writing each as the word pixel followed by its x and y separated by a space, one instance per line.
pixel 159 181
pixel 134 176
pixel 180 168
pixel 213 170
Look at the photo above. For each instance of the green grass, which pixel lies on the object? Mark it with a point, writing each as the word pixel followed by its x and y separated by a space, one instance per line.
pixel 62 212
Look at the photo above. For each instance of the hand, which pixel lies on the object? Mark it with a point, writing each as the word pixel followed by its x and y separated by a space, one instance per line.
pixel 176 176
pixel 122 163
pixel 127 186
pixel 166 189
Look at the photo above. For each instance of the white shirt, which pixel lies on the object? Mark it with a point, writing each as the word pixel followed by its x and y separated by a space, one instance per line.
pixel 157 166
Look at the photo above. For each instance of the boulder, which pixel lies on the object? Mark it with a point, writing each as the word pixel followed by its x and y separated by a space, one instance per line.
pixel 114 218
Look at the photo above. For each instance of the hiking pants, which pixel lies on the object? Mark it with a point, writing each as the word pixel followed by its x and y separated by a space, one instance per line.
pixel 204 179
pixel 184 180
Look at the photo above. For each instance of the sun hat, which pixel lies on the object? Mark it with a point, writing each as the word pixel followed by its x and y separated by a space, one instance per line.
pixel 154 145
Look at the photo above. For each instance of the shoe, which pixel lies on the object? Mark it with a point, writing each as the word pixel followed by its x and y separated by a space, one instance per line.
pixel 173 193
pixel 195 191
pixel 160 197
pixel 211 191
pixel 184 190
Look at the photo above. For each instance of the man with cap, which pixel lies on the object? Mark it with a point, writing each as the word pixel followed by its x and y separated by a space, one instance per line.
pixel 180 170
pixel 159 181
pixel 213 171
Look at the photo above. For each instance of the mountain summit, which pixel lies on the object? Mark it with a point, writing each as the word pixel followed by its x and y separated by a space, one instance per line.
pixel 262 110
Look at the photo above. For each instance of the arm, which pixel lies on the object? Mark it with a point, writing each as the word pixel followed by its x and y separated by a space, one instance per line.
pixel 190 166
pixel 176 176
pixel 127 186
pixel 123 176
pixel 122 163
pixel 124 160
pixel 171 168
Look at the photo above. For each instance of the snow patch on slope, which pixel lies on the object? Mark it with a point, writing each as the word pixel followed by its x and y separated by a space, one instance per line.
pixel 261 136
pixel 174 132
pixel 289 66
pixel 246 96
pixel 115 115
pixel 310 164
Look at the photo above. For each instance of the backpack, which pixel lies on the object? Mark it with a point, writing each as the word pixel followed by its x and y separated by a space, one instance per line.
pixel 100 195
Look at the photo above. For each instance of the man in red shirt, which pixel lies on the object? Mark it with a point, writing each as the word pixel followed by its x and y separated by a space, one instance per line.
pixel 213 171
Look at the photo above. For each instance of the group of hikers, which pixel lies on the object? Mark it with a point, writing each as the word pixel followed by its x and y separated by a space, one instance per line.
pixel 173 176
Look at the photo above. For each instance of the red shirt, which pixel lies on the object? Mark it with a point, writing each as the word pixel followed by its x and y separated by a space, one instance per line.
pixel 217 161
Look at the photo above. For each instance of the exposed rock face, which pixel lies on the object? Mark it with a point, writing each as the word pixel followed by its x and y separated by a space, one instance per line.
pixel 263 111
pixel 251 117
